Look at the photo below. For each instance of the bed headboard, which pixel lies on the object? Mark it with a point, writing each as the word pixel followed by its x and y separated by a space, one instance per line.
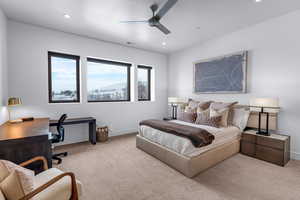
pixel 253 121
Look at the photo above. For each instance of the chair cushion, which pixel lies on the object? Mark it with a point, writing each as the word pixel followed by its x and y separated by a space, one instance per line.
pixel 12 187
pixel 3 172
pixel 18 183
pixel 1 195
pixel 60 190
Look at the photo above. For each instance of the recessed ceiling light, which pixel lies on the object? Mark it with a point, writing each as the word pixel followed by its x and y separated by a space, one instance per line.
pixel 67 16
pixel 164 43
pixel 258 1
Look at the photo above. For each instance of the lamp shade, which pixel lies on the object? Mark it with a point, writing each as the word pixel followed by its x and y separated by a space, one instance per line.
pixel 271 105
pixel 264 102
pixel 13 101
pixel 175 100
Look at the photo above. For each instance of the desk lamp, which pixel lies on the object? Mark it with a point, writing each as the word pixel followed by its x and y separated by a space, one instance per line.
pixel 14 101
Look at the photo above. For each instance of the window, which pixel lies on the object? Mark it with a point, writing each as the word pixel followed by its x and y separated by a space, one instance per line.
pixel 108 81
pixel 144 83
pixel 63 78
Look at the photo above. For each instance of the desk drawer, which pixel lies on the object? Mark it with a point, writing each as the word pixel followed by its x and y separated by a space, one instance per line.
pixel 271 155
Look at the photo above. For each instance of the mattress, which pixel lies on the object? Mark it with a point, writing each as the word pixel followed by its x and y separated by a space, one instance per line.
pixel 183 145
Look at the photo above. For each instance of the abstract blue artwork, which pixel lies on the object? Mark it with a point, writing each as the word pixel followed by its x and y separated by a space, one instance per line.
pixel 225 74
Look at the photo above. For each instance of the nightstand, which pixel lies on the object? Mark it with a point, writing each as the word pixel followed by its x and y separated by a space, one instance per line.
pixel 274 148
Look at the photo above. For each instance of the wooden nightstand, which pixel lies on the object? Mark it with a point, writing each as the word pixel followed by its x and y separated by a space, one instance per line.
pixel 274 148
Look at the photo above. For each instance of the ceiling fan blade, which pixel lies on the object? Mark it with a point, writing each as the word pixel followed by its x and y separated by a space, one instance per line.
pixel 162 28
pixel 166 8
pixel 135 21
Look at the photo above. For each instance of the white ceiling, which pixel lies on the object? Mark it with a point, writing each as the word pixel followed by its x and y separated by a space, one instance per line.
pixel 100 19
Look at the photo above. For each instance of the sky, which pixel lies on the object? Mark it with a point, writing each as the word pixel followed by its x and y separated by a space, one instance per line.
pixel 63 74
pixel 98 75
pixel 142 75
pixel 102 75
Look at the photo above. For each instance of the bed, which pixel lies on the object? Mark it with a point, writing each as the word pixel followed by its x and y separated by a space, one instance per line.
pixel 180 154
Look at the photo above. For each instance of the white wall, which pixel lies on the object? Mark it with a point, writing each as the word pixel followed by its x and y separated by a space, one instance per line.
pixel 3 68
pixel 273 70
pixel 28 79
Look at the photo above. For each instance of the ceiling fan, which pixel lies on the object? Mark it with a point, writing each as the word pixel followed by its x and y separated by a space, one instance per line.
pixel 154 20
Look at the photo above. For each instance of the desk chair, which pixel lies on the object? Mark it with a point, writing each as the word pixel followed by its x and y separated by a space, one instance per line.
pixel 60 137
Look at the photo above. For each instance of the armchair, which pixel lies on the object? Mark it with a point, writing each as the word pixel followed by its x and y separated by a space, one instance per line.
pixel 53 184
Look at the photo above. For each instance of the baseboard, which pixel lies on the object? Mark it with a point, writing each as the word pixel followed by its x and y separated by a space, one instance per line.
pixel 295 156
pixel 123 132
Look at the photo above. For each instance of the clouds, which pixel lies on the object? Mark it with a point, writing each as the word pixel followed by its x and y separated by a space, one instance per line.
pixel 98 75
pixel 102 75
pixel 63 74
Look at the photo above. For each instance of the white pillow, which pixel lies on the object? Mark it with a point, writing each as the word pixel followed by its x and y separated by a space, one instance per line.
pixel 240 118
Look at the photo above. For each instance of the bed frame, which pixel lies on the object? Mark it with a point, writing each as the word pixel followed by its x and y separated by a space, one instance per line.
pixel 191 166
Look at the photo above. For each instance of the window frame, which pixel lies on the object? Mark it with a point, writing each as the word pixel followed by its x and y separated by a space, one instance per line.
pixel 67 56
pixel 110 62
pixel 149 69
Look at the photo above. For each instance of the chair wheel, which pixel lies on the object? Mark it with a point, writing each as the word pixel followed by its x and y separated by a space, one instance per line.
pixel 65 154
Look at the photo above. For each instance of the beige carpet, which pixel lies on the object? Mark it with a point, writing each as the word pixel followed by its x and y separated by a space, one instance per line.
pixel 118 171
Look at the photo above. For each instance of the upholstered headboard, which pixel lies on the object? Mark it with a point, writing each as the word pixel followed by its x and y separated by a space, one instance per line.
pixel 253 119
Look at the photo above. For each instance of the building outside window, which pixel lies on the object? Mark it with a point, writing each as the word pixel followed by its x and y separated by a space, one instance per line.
pixel 108 81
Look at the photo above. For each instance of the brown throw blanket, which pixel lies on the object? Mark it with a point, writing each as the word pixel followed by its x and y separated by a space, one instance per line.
pixel 199 137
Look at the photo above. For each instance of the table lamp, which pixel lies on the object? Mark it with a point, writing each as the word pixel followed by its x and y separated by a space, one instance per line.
pixel 14 101
pixel 174 102
pixel 266 106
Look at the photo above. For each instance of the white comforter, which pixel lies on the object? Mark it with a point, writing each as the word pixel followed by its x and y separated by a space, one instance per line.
pixel 184 146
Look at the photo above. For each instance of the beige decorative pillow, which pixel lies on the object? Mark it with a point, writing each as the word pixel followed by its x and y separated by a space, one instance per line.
pixel 18 176
pixel 188 117
pixel 221 105
pixel 203 118
pixel 203 106
pixel 193 104
pixel 190 109
pixel 223 113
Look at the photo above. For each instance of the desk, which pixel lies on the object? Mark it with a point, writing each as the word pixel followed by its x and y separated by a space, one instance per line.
pixel 90 120
pixel 23 141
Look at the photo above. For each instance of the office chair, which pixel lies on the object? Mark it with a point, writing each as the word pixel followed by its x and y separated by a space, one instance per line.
pixel 60 137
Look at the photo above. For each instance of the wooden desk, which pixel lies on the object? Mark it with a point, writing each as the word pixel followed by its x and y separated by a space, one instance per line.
pixel 23 141
pixel 90 120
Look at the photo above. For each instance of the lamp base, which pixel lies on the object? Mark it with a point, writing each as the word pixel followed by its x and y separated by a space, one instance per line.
pixel 265 133
pixel 15 121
